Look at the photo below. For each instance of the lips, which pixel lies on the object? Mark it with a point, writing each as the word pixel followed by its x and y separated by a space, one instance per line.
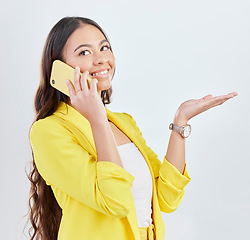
pixel 101 72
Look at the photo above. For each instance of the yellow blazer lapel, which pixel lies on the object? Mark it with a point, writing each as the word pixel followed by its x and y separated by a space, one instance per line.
pixel 134 137
pixel 71 115
pixel 132 218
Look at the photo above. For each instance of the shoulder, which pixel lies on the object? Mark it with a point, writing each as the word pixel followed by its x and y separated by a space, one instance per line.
pixel 122 117
pixel 47 127
pixel 123 120
pixel 45 123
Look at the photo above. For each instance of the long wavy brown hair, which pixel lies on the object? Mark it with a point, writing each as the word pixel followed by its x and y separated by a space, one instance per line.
pixel 44 212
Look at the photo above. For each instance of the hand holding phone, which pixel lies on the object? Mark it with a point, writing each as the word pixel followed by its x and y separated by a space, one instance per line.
pixel 60 73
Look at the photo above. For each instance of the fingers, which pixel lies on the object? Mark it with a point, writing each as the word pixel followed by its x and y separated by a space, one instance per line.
pixel 209 101
pixel 83 84
pixel 233 94
pixel 193 107
pixel 93 84
pixel 76 79
pixel 222 98
pixel 226 97
pixel 219 100
pixel 83 81
pixel 71 88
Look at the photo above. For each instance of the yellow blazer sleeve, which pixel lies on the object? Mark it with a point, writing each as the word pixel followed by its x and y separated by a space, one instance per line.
pixel 64 164
pixel 169 181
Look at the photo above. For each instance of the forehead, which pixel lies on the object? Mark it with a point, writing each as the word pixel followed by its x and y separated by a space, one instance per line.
pixel 86 34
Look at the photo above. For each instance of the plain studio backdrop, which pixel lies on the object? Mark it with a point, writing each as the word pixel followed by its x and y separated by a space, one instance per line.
pixel 166 52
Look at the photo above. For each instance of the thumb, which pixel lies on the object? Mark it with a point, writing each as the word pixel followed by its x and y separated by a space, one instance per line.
pixel 207 97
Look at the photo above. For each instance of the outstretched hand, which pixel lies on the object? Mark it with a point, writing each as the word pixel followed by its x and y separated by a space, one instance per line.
pixel 193 107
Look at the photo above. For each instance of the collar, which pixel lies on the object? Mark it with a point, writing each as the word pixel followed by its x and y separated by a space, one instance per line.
pixel 69 114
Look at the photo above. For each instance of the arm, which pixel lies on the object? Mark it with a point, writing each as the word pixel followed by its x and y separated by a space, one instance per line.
pixel 171 176
pixel 65 164
pixel 170 183
pixel 187 110
pixel 98 182
pixel 87 101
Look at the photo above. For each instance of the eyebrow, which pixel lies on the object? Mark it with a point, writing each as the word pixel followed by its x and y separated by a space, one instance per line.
pixel 89 45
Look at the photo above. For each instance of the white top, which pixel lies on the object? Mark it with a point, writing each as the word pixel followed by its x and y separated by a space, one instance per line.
pixel 134 162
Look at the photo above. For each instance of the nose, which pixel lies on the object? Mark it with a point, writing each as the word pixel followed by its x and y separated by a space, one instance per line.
pixel 100 59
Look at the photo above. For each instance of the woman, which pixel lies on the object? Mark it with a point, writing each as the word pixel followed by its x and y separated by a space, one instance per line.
pixel 93 175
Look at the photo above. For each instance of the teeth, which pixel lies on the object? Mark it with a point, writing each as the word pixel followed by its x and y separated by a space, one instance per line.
pixel 100 73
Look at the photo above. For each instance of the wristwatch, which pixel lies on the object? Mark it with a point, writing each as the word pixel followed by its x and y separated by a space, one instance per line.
pixel 183 130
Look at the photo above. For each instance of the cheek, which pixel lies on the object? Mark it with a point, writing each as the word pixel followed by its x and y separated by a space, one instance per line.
pixel 84 65
pixel 112 60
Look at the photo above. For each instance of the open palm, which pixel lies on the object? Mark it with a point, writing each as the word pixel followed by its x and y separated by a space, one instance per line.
pixel 193 107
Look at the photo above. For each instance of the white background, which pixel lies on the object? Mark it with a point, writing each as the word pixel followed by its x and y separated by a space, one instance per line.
pixel 166 52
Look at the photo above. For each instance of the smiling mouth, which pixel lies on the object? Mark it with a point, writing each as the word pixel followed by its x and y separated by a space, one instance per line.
pixel 102 73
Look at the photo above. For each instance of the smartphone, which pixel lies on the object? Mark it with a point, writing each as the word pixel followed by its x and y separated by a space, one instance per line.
pixel 60 73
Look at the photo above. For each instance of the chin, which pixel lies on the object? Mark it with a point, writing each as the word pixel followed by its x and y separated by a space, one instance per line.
pixel 101 86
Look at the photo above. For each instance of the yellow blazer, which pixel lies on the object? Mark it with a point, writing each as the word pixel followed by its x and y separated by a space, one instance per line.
pixel 95 197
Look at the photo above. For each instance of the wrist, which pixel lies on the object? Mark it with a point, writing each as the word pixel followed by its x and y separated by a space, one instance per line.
pixel 184 130
pixel 98 121
pixel 180 121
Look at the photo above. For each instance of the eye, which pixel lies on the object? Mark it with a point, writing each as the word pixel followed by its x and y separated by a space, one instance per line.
pixel 84 52
pixel 105 48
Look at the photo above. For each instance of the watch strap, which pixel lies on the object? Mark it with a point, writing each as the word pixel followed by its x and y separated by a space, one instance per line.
pixel 176 128
pixel 180 129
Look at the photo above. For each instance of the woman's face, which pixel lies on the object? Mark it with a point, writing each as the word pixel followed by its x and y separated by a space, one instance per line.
pixel 88 49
